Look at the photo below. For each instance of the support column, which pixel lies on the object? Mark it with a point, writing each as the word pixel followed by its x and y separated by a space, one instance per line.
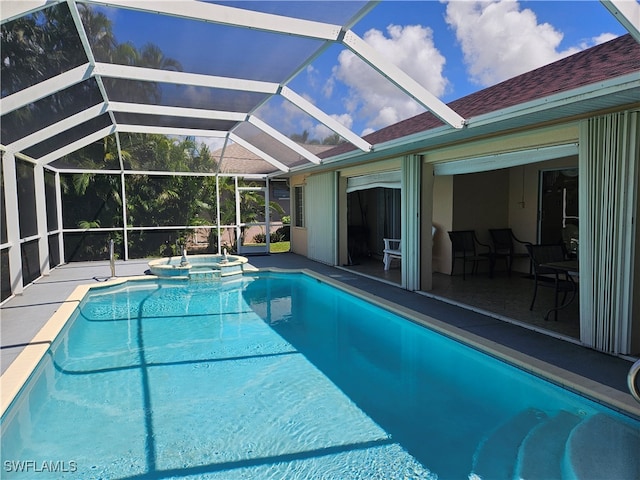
pixel 60 218
pixel 13 221
pixel 125 232
pixel 41 218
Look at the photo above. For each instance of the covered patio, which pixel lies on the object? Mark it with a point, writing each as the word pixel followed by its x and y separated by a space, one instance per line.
pixel 503 297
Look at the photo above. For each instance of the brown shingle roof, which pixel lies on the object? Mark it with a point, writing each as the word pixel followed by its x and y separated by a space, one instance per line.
pixel 611 59
pixel 239 159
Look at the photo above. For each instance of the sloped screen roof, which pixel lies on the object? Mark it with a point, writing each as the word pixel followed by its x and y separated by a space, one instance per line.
pixel 81 72
pixel 124 74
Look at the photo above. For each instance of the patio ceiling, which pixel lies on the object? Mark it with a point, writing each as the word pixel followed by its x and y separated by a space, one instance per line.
pixel 229 70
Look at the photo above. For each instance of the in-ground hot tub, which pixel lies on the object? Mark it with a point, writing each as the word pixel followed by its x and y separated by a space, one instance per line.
pixel 200 266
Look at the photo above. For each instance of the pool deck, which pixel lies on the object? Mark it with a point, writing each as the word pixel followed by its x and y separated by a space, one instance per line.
pixel 603 376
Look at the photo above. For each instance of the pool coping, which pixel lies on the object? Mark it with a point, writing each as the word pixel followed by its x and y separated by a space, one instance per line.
pixel 15 377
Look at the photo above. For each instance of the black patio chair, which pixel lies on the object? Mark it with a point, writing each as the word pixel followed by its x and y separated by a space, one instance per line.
pixel 466 247
pixel 504 242
pixel 545 276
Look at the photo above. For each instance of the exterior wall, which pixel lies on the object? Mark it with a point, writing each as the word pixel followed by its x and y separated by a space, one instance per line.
pixel 427 238
pixel 443 221
pixel 298 234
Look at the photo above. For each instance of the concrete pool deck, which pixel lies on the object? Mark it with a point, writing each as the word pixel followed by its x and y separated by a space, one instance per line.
pixel 572 365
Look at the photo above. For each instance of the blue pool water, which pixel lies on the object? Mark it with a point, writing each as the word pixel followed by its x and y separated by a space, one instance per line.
pixel 280 376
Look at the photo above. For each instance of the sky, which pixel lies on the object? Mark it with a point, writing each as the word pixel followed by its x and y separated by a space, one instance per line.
pixel 451 47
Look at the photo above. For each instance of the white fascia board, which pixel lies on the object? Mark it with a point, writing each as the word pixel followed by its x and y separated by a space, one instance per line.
pixel 322 117
pixel 13 9
pixel 237 17
pixel 186 132
pixel 77 145
pixel 176 111
pixel 253 149
pixel 627 12
pixel 594 90
pixel 284 139
pixel 182 78
pixel 45 88
pixel 504 160
pixel 58 127
pixel 403 81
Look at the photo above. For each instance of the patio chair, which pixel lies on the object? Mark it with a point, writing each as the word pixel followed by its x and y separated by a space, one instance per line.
pixel 465 246
pixel 545 276
pixel 391 250
pixel 504 248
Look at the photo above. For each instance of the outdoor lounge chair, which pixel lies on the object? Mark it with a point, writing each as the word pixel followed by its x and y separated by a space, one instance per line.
pixel 465 246
pixel 391 251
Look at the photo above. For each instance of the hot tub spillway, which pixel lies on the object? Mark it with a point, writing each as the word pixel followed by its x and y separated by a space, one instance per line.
pixel 200 267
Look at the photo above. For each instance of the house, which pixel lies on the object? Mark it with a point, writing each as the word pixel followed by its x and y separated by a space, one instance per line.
pixel 566 130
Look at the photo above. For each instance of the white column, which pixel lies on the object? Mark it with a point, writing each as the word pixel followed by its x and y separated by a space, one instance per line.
pixel 267 212
pixel 41 218
pixel 218 229
pixel 125 232
pixel 60 218
pixel 13 222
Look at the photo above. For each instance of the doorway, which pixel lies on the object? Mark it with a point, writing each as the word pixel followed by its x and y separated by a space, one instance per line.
pixel 372 215
pixel 558 208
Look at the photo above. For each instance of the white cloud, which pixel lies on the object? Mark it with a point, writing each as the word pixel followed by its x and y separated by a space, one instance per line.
pixel 500 40
pixel 375 98
pixel 321 131
pixel 603 37
pixel 312 76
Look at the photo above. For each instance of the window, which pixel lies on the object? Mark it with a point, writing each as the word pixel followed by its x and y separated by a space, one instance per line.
pixel 299 206
pixel 281 192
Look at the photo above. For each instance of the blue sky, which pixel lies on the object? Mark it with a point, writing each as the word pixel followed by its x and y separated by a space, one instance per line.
pixel 462 47
pixel 452 47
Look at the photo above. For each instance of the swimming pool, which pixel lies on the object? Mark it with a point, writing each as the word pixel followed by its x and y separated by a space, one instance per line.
pixel 284 376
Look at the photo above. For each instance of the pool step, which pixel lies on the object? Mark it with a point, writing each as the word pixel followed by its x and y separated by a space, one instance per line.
pixel 535 446
pixel 542 452
pixel 494 458
pixel 616 454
